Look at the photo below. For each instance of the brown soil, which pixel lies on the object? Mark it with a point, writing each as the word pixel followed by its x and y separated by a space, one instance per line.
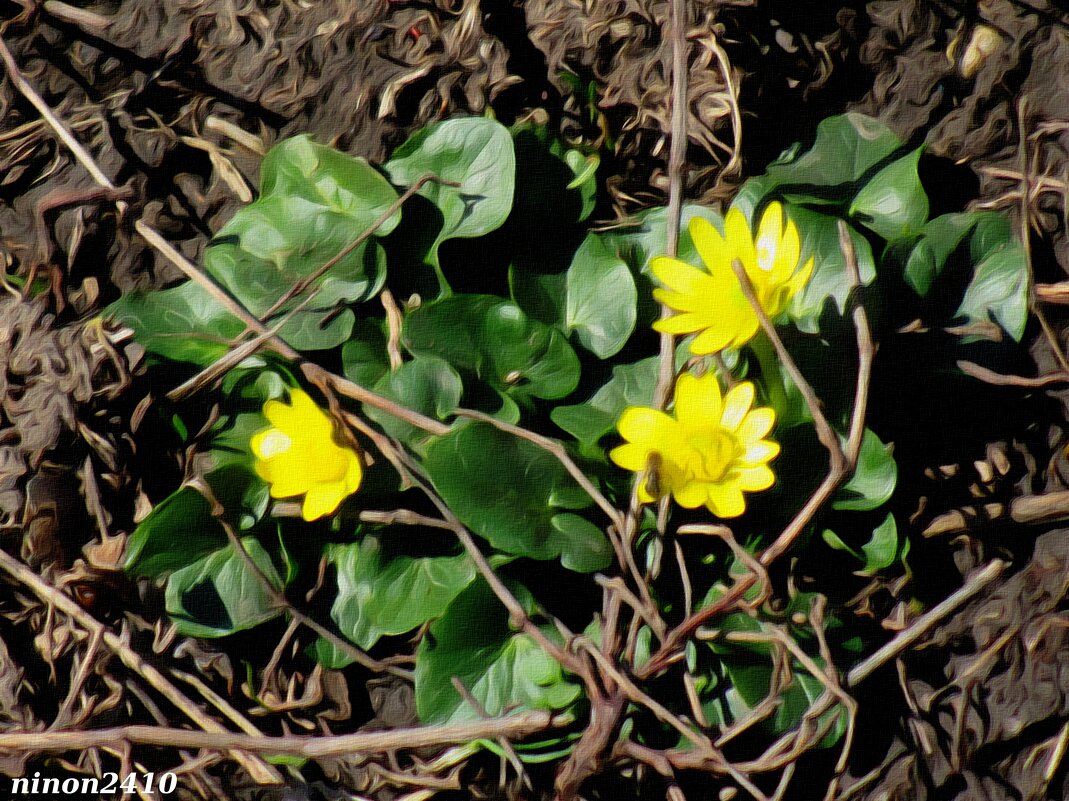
pixel 177 99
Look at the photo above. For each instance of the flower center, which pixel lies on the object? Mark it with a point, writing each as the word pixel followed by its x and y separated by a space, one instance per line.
pixel 711 454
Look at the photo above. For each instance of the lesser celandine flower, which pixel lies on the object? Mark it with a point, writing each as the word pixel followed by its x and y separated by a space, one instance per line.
pixel 708 454
pixel 299 455
pixel 710 302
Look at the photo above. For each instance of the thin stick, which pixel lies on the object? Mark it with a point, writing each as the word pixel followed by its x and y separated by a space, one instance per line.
pixel 27 91
pixel 677 156
pixel 312 747
pixel 343 386
pixel 237 354
pixel 827 436
pixel 259 770
pixel 926 622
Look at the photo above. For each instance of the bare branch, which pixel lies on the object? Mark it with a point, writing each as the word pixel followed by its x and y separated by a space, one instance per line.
pixel 312 747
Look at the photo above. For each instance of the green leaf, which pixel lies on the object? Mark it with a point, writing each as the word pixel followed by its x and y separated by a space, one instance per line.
pixel 835 542
pixel 880 551
pixel 276 242
pixel 999 291
pixel 630 385
pixel 928 254
pixel 348 185
pixel 494 340
pixel 846 149
pixel 541 295
pixel 587 549
pixel 830 279
pixel 503 671
pixel 601 298
pixel 475 152
pixel 646 236
pixel 873 481
pixel 177 532
pixel 363 357
pixel 219 595
pixel 183 323
pixel 508 491
pixel 314 202
pixel 243 495
pixel 585 167
pixel 427 385
pixel 383 594
pixel 893 203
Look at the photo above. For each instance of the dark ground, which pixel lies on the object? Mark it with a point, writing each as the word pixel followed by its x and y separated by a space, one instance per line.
pixel 177 100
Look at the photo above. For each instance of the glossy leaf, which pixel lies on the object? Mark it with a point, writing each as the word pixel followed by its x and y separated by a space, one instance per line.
pixel 475 152
pixel 630 385
pixel 427 385
pixel 183 323
pixel 999 291
pixel 928 254
pixel 893 203
pixel 219 595
pixel 830 279
pixel 314 202
pixel 508 491
pixel 601 298
pixel 881 549
pixel 382 594
pixel 154 550
pixel 502 670
pixel 873 481
pixel 848 147
pixel 494 340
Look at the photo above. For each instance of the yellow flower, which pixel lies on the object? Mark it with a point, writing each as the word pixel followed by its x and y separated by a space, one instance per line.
pixel 709 453
pixel 711 301
pixel 299 455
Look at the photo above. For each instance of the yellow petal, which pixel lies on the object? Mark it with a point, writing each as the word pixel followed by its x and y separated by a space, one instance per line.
pixel 755 425
pixel 691 495
pixel 643 425
pixel 353 475
pixel 280 415
pixel 679 324
pixel 767 241
pixel 309 416
pixel 800 278
pixel 644 493
pixel 269 443
pixel 698 400
pixel 737 403
pixel 755 479
pixel 630 456
pixel 790 247
pixel 725 500
pixel 759 452
pixel 712 248
pixel 739 240
pixel 322 500
pixel 712 340
pixel 286 479
pixel 678 275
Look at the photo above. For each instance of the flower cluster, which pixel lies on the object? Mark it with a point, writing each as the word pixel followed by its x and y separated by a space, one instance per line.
pixel 712 448
pixel 299 455
pixel 710 302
